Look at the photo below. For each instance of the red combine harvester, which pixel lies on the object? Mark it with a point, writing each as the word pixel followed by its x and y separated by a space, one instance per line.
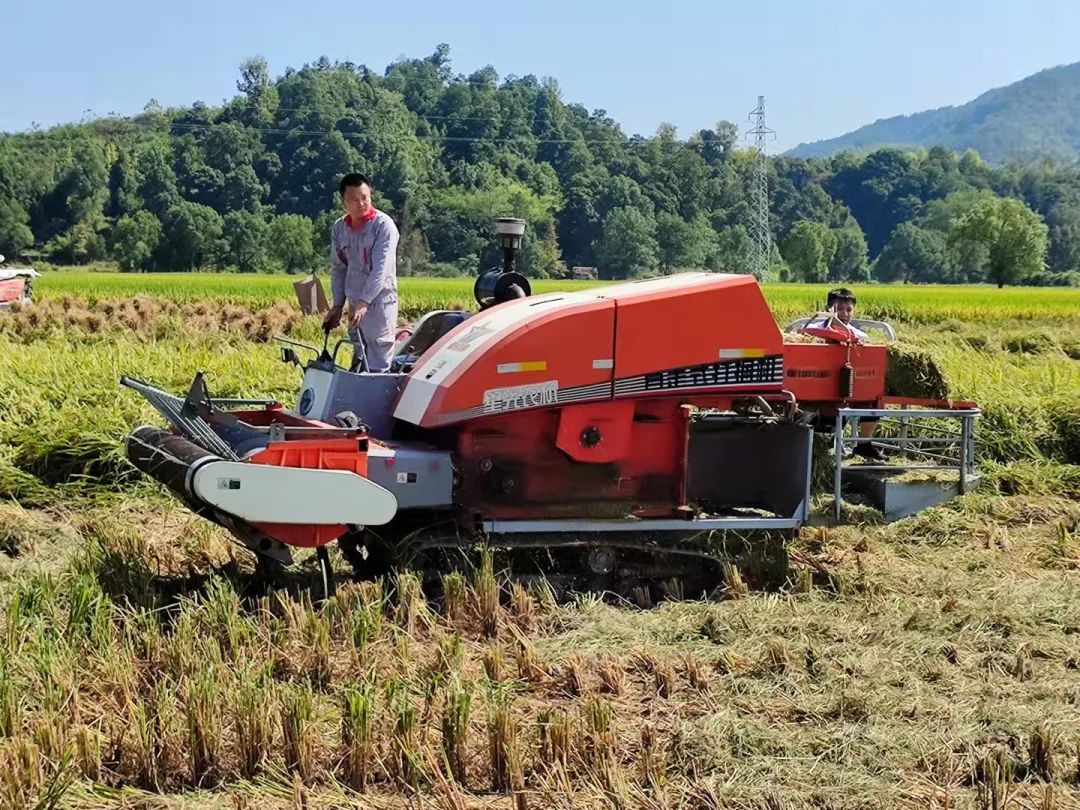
pixel 613 436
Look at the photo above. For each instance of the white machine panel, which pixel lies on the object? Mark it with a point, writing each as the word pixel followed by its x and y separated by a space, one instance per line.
pixel 259 493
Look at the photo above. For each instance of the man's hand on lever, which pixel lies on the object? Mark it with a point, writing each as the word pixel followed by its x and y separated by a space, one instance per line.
pixel 356 312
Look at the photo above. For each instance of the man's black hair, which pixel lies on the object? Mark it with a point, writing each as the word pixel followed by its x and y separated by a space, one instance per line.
pixel 840 294
pixel 352 179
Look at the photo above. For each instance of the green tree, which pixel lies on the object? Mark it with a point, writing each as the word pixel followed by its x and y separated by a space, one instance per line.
pixel 135 240
pixel 731 251
pixel 682 243
pixel 1013 235
pixel 971 162
pixel 84 184
pixel 966 263
pixel 241 190
pixel 937 214
pixel 15 233
pixel 628 246
pixel 291 242
pixel 848 262
pixel 157 180
pixel 540 255
pixel 259 92
pixel 192 237
pixel 373 132
pixel 1064 243
pixel 247 235
pixel 912 254
pixel 83 242
pixel 881 190
pixel 808 250
pixel 123 187
pixel 421 81
pixel 460 221
pixel 580 219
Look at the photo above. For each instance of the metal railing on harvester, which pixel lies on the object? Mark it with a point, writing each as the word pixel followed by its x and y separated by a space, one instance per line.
pixel 919 436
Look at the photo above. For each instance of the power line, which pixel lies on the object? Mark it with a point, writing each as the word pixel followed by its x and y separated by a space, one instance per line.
pixel 509 118
pixel 427 118
pixel 427 137
pixel 43 139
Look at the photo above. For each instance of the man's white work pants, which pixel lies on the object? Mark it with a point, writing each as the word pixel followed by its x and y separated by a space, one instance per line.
pixel 378 327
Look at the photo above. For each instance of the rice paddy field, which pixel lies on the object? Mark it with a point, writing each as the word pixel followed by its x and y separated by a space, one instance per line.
pixel 918 304
pixel 931 662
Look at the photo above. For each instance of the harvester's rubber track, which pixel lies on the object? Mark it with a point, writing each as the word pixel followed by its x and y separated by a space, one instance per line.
pixel 632 564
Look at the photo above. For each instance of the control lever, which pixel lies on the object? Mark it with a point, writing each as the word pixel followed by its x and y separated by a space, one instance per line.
pixel 325 356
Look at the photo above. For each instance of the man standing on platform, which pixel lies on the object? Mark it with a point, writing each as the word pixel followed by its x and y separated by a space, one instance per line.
pixel 363 270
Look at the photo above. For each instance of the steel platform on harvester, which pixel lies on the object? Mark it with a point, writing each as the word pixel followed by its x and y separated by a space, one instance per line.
pixel 939 466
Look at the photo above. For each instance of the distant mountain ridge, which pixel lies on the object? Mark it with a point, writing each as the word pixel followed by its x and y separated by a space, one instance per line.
pixel 1035 118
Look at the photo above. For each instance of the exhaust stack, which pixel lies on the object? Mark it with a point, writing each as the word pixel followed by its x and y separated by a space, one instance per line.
pixel 504 283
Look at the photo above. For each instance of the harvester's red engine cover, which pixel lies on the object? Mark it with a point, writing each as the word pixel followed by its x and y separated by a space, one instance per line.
pixel 696 333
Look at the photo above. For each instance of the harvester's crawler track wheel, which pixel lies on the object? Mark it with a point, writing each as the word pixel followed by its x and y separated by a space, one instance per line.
pixel 326 572
pixel 369 556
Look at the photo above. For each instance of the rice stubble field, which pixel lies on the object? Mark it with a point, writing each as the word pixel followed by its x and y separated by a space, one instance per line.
pixel 934 662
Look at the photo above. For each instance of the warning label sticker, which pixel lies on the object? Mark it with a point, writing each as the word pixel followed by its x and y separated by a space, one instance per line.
pixel 517 397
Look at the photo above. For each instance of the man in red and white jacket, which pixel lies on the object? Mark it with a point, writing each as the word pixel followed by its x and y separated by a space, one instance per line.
pixel 363 270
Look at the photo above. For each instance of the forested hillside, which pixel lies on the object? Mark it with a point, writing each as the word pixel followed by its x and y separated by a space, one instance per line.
pixel 1036 118
pixel 251 186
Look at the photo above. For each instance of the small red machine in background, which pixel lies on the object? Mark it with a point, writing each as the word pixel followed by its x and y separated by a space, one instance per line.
pixel 16 285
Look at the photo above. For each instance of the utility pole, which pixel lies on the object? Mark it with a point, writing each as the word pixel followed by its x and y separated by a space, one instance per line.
pixel 760 241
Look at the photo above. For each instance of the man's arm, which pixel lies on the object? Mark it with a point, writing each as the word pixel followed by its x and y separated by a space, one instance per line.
pixel 338 269
pixel 859 333
pixel 383 261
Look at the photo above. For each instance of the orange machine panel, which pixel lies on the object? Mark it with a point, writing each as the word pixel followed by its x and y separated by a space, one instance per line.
pixel 596 432
pixel 691 332
pixel 695 332
pixel 519 355
pixel 812 371
pixel 316 454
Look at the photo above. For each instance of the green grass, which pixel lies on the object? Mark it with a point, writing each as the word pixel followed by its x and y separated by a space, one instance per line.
pixel 907 304
pixel 233 288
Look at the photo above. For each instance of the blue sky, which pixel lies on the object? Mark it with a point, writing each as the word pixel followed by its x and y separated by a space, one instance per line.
pixel 824 67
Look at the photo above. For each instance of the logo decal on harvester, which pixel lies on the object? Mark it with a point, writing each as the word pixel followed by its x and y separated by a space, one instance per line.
pixel 521 396
pixel 725 374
